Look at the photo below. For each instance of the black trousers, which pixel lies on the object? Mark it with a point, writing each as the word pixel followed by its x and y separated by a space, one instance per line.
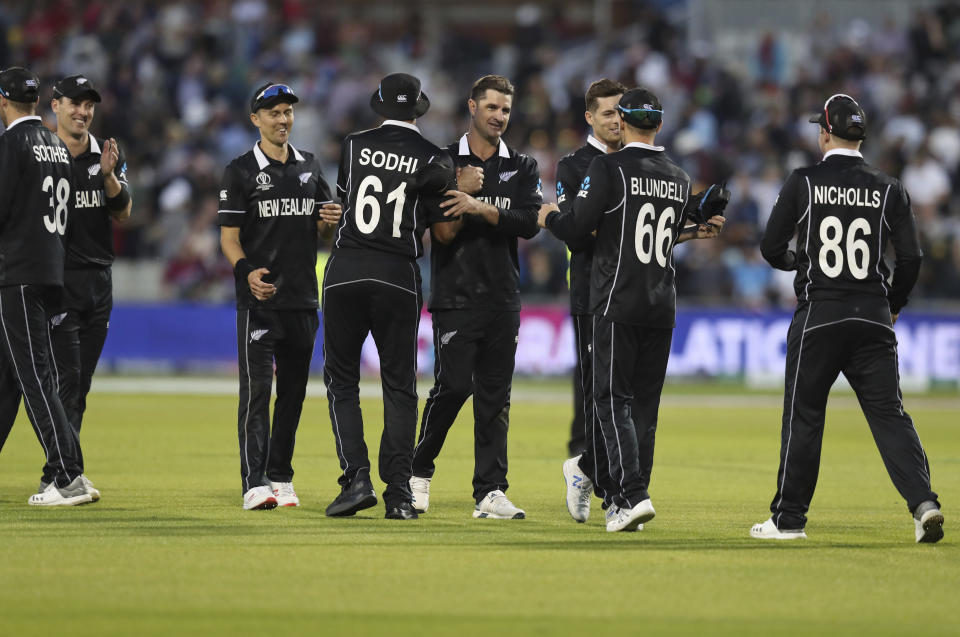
pixel 26 371
pixel 629 368
pixel 475 354
pixel 266 337
pixel 593 451
pixel 824 339
pixel 79 329
pixel 382 297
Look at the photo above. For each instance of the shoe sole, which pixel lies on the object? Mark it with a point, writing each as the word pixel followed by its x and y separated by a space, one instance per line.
pixel 367 502
pixel 566 482
pixel 266 505
pixel 482 515
pixel 932 529
pixel 779 536
pixel 71 501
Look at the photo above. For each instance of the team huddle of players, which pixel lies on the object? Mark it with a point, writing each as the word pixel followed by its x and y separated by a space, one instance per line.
pixel 622 206
pixel 59 196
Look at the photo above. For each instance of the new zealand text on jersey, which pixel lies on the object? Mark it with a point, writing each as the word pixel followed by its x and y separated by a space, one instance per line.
pixel 51 153
pixel 388 161
pixel 498 201
pixel 288 206
pixel 839 196
pixel 89 199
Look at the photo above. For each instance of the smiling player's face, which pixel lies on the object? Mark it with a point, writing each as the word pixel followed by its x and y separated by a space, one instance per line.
pixel 275 123
pixel 605 120
pixel 491 113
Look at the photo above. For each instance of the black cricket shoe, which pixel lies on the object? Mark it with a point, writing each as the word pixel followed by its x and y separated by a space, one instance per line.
pixel 402 511
pixel 356 497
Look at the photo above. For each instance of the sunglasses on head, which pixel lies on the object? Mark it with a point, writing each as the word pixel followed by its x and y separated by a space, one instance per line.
pixel 274 90
pixel 652 114
pixel 826 115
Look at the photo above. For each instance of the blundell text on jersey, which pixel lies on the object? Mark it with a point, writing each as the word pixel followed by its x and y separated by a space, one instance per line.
pixel 659 188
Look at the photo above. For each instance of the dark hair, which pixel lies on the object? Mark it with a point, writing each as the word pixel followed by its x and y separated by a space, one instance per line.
pixel 492 82
pixel 602 88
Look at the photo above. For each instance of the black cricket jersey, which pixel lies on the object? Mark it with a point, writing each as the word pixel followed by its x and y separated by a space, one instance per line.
pixel 90 233
pixel 844 212
pixel 378 213
pixel 480 268
pixel 635 200
pixel 276 206
pixel 36 191
pixel 570 173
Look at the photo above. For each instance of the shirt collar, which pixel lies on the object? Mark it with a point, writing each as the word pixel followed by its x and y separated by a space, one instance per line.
pixel 23 119
pixel 465 147
pixel 596 143
pixel 263 161
pixel 95 146
pixel 642 145
pixel 397 122
pixel 846 152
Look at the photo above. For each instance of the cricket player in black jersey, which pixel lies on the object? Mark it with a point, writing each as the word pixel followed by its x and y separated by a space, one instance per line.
pixel 635 199
pixel 35 194
pixel 273 202
pixel 601 101
pixel 101 196
pixel 475 299
pixel 843 213
pixel 372 286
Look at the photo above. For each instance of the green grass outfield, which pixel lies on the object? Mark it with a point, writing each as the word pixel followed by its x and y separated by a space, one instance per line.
pixel 168 550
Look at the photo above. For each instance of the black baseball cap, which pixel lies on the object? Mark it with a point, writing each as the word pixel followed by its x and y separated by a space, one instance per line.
pixel 399 97
pixel 640 108
pixel 843 117
pixel 271 94
pixel 76 87
pixel 19 85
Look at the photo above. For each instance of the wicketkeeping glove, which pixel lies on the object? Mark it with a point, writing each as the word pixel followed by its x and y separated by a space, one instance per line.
pixel 706 204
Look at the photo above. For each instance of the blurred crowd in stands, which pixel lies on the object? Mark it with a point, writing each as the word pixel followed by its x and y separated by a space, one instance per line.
pixel 176 78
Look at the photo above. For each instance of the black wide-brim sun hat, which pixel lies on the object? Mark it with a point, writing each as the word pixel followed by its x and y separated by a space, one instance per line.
pixel 399 97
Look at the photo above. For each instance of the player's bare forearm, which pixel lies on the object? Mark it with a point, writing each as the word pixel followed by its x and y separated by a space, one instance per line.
pixel 460 203
pixel 230 244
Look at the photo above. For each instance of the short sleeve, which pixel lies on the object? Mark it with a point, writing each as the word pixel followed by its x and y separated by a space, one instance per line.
pixel 233 205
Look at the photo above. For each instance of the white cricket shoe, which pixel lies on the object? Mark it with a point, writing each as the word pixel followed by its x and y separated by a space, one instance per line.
pixel 259 498
pixel 769 531
pixel 929 522
pixel 631 519
pixel 92 490
pixel 496 506
pixel 71 495
pixel 420 487
pixel 285 495
pixel 612 511
pixel 579 490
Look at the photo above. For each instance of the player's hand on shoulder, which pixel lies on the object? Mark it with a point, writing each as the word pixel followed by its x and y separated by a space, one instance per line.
pixel 260 289
pixel 545 209
pixel 470 179
pixel 331 213
pixel 109 156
